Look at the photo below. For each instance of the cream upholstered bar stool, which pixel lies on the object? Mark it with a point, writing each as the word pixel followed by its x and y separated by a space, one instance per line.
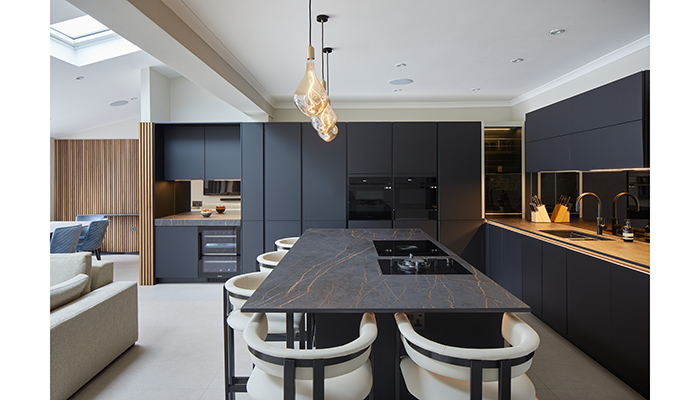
pixel 436 371
pixel 268 261
pixel 339 373
pixel 237 290
pixel 286 243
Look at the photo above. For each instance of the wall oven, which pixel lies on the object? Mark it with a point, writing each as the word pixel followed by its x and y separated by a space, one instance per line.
pixel 415 198
pixel 370 198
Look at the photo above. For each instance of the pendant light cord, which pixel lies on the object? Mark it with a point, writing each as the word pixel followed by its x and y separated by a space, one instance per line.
pixel 309 22
pixel 322 48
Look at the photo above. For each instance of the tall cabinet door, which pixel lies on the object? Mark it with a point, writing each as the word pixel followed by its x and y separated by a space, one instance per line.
pixel 252 234
pixel 282 181
pixel 459 171
pixel 323 175
pixel 369 148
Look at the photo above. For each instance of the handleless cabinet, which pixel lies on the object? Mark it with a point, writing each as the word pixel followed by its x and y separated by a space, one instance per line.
pixel 282 171
pixel 222 152
pixel 459 171
pixel 183 152
pixel 415 148
pixel 323 175
pixel 176 253
pixel 369 148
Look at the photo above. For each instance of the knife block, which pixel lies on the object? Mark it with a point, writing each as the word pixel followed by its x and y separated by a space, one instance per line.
pixel 540 215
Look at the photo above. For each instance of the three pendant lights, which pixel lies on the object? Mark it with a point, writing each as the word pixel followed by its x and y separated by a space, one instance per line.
pixel 311 96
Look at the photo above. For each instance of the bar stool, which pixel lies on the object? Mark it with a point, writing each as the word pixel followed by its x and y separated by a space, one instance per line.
pixel 237 290
pixel 437 371
pixel 339 373
pixel 268 261
pixel 286 243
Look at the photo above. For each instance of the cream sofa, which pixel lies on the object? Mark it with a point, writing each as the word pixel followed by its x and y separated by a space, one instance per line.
pixel 93 320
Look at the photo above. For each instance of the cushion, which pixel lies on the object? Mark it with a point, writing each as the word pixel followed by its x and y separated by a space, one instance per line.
pixel 65 266
pixel 101 274
pixel 67 291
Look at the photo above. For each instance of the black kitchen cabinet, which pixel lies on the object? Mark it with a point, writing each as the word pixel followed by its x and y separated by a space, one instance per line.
pixel 532 274
pixel 183 152
pixel 554 288
pixel 252 204
pixel 466 239
pixel 428 226
pixel 323 175
pixel 282 171
pixel 370 224
pixel 415 148
pixel 280 229
pixel 629 327
pixel 176 253
pixel 588 304
pixel 369 148
pixel 459 171
pixel 251 244
pixel 222 152
pixel 504 259
pixel 606 127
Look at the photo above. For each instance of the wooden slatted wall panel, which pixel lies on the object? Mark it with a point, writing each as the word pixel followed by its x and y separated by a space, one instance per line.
pixel 99 177
pixel 145 206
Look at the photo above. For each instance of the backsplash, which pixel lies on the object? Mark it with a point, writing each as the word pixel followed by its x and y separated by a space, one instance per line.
pixel 606 184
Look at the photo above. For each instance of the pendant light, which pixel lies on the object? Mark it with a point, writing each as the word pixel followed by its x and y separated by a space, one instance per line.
pixel 325 122
pixel 310 97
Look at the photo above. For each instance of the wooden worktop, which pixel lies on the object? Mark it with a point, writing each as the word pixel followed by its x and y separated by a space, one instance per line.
pixel 337 270
pixel 635 255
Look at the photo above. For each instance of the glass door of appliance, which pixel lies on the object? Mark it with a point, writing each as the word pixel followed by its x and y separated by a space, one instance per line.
pixel 503 186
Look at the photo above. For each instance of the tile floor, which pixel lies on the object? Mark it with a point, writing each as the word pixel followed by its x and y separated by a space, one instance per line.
pixel 179 353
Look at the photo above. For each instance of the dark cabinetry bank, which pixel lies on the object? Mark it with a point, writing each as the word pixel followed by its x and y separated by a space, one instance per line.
pixel 607 127
pixel 206 152
pixel 601 307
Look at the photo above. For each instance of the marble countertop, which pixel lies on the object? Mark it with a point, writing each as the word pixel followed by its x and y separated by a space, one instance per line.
pixel 634 255
pixel 336 270
pixel 195 218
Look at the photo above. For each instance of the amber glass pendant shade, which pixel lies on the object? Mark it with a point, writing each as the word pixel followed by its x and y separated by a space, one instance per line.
pixel 310 97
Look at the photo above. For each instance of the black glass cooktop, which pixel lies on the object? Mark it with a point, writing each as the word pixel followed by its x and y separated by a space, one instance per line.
pixel 431 266
pixel 404 248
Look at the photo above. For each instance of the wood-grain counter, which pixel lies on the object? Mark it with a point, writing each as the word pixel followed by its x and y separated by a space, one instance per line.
pixel 634 255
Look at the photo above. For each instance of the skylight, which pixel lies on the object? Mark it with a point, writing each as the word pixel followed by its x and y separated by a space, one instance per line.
pixel 81 31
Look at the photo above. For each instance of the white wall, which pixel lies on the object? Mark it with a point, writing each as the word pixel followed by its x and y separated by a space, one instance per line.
pixel 128 129
pixel 191 103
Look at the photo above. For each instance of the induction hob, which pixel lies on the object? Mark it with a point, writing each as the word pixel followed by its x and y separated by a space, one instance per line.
pixel 404 248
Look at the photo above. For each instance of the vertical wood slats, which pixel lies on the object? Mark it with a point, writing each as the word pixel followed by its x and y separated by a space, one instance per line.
pixel 145 206
pixel 99 177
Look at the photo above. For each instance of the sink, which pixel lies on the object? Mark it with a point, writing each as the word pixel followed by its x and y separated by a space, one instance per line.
pixel 574 235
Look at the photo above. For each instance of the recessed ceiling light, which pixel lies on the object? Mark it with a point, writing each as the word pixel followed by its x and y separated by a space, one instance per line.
pixel 398 90
pixel 133 98
pixel 400 65
pixel 403 81
pixel 476 89
pixel 517 60
pixel 119 103
pixel 79 78
pixel 557 31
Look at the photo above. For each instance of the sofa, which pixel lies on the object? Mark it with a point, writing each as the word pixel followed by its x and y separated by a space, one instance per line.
pixel 93 320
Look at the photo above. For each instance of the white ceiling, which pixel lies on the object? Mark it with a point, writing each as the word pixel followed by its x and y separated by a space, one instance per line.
pixel 252 53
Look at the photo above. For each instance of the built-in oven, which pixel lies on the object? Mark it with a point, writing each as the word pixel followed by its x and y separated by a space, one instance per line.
pixel 415 198
pixel 370 198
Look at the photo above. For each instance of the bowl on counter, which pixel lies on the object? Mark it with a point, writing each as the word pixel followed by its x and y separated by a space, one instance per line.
pixel 220 209
pixel 206 212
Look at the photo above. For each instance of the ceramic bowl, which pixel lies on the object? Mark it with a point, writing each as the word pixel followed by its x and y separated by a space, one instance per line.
pixel 220 209
pixel 206 212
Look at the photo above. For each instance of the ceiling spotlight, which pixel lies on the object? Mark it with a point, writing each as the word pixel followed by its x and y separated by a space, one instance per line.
pixel 557 31
pixel 404 81
pixel 517 60
pixel 398 90
pixel 119 103
pixel 79 78
pixel 133 98
pixel 476 89
pixel 400 65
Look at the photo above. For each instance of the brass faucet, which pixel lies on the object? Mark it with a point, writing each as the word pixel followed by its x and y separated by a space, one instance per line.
pixel 615 226
pixel 600 221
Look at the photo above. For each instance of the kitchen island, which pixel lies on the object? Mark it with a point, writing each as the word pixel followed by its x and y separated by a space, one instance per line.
pixel 334 275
